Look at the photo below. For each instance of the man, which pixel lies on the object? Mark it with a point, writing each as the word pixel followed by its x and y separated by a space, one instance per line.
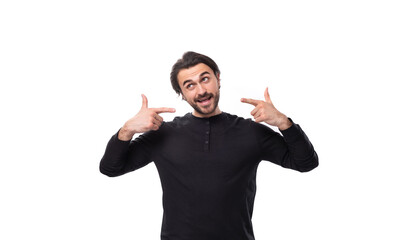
pixel 207 160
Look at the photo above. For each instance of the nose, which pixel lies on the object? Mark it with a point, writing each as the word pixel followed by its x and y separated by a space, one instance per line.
pixel 201 89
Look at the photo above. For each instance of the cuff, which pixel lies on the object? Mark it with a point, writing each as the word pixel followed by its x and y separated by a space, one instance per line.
pixel 117 139
pixel 118 144
pixel 292 133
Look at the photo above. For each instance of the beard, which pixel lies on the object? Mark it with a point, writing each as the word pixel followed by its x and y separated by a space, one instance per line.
pixel 206 110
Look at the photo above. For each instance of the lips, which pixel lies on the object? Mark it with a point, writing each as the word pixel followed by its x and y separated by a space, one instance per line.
pixel 204 100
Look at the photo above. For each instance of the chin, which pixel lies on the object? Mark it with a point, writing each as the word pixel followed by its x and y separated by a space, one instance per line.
pixel 208 111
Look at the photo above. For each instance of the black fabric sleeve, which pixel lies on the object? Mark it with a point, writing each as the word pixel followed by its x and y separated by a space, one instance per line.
pixel 121 157
pixel 293 150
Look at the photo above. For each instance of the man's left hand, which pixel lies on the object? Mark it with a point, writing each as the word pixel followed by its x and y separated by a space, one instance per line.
pixel 264 111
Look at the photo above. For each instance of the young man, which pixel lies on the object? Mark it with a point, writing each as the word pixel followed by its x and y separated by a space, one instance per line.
pixel 207 159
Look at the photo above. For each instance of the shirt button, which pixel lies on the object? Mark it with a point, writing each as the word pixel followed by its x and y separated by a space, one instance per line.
pixel 206 142
pixel 207 132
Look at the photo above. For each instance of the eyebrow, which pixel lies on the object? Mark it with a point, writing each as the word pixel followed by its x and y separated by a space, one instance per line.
pixel 189 80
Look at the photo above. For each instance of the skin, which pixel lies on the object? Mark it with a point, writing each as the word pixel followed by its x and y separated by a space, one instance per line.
pixel 199 83
pixel 265 111
pixel 200 88
pixel 145 120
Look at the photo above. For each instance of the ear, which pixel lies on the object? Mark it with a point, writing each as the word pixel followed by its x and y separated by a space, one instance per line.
pixel 183 98
pixel 218 80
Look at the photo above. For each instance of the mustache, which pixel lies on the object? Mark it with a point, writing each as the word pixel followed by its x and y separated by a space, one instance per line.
pixel 205 95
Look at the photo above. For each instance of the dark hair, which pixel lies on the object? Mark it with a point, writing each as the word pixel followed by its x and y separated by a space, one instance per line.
pixel 190 59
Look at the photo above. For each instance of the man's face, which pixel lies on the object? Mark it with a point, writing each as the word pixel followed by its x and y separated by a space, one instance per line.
pixel 200 88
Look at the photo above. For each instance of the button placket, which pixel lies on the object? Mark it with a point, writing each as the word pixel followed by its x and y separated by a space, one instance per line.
pixel 207 134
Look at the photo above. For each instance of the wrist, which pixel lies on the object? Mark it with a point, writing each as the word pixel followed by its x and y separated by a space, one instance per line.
pixel 285 124
pixel 124 134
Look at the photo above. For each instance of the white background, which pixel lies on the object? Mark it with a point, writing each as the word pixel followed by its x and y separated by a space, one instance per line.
pixel 72 73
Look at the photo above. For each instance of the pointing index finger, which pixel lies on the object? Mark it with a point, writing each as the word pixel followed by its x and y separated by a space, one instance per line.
pixel 164 110
pixel 250 101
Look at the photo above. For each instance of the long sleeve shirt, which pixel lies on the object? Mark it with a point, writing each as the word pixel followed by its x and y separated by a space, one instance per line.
pixel 207 168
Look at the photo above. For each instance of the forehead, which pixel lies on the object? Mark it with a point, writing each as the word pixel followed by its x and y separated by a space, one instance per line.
pixel 193 73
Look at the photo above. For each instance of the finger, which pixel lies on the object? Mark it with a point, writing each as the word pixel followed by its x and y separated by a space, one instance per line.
pixel 154 127
pixel 156 122
pixel 250 101
pixel 158 117
pixel 257 115
pixel 267 96
pixel 258 120
pixel 254 111
pixel 144 101
pixel 163 110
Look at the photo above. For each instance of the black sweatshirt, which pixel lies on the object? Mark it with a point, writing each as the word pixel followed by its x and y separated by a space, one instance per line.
pixel 207 168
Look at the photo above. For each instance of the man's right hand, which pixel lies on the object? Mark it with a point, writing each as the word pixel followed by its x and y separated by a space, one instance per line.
pixel 145 120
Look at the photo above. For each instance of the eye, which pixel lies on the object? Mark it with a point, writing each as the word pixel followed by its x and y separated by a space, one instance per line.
pixel 189 86
pixel 205 79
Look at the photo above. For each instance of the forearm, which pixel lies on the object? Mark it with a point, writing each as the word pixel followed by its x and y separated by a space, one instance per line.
pixel 115 158
pixel 284 124
pixel 124 134
pixel 121 157
pixel 301 154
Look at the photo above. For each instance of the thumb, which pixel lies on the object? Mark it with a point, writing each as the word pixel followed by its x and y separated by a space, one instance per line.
pixel 144 101
pixel 267 96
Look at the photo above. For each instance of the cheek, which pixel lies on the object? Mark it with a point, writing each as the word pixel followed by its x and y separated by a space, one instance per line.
pixel 216 87
pixel 189 96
